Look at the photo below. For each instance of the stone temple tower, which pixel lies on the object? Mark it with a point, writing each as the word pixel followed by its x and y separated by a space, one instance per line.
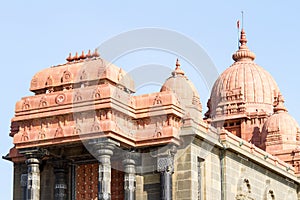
pixel 84 134
pixel 242 97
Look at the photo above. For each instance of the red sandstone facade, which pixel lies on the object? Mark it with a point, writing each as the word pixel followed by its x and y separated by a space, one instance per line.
pixel 85 135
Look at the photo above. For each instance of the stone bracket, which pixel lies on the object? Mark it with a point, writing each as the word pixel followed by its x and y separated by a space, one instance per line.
pixel 34 152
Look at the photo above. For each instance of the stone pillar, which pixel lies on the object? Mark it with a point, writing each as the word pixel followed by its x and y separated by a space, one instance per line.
pixel 129 163
pixel 33 161
pixel 165 165
pixel 166 184
pixel 33 178
pixel 60 188
pixel 103 150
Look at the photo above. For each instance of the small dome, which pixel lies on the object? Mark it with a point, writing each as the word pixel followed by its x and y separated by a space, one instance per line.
pixel 280 130
pixel 245 84
pixel 79 69
pixel 184 89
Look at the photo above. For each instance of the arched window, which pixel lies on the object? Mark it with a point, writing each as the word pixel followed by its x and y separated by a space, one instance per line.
pixel 270 195
pixel 244 190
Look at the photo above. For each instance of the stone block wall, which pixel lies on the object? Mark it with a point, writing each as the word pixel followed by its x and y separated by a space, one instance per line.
pixel 152 186
pixel 140 193
pixel 182 175
pixel 197 162
pixel 241 177
pixel 245 177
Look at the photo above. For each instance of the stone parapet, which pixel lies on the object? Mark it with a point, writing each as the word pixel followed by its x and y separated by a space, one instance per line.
pixel 250 151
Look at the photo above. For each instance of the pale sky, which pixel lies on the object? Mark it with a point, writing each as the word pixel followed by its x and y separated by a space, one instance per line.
pixel 35 35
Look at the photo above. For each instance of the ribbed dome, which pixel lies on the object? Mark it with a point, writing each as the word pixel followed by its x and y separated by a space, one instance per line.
pixel 245 84
pixel 280 128
pixel 184 89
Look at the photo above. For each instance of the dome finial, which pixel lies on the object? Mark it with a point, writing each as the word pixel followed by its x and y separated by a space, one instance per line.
pixel 178 70
pixel 89 55
pixel 82 56
pixel 69 58
pixel 76 56
pixel 243 39
pixel 177 63
pixel 279 104
pixel 243 53
pixel 96 53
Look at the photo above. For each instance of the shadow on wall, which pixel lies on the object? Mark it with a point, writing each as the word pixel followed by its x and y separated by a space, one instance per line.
pixel 258 139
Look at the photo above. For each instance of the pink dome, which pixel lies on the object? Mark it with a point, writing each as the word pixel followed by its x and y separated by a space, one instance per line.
pixel 245 84
pixel 281 129
pixel 185 91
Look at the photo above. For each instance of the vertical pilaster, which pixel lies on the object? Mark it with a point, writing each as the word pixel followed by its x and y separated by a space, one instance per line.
pixel 103 149
pixel 129 163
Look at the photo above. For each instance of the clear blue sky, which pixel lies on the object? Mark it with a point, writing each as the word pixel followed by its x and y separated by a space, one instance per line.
pixel 35 35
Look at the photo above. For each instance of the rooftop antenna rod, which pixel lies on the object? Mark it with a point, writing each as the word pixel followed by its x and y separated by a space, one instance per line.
pixel 238 29
pixel 242 19
pixel 238 33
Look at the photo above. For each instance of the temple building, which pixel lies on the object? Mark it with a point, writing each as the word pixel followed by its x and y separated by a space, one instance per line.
pixel 85 135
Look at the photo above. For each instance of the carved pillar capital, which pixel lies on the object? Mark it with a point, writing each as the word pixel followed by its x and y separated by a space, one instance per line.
pixel 36 153
pixel 165 164
pixel 59 164
pixel 130 157
pixel 165 159
pixel 103 147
